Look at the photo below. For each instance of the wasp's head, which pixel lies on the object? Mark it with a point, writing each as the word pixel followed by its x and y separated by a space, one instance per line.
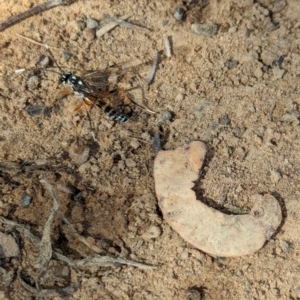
pixel 65 77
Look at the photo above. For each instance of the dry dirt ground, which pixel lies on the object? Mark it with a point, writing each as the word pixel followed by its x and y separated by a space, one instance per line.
pixel 231 91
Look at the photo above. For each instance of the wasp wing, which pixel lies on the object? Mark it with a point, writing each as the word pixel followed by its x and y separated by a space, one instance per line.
pixel 103 81
pixel 82 89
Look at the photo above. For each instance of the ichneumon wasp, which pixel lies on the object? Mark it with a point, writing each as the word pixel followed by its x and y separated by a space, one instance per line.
pixel 96 87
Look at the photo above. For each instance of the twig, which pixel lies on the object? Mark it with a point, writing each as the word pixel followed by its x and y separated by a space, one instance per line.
pixel 128 25
pixel 153 70
pixel 111 25
pixel 11 224
pixel 91 125
pixel 156 143
pixel 33 11
pixel 45 253
pixel 16 168
pixel 102 260
pixel 49 293
pixel 167 46
pixel 78 236
pixel 25 285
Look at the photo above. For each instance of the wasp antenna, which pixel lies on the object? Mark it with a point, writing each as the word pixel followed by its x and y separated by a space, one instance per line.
pixel 48 49
pixel 35 42
pixel 41 44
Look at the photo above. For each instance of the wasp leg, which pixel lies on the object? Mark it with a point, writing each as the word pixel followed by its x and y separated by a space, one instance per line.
pixel 62 93
pixel 78 107
pixel 86 104
pixel 144 106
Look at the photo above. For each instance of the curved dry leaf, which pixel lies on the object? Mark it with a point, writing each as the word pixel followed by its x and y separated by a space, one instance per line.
pixel 204 227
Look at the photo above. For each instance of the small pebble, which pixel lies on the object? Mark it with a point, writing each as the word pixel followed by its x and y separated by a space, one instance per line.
pixel 278 73
pixel 84 168
pixel 206 74
pixel 79 152
pixel 8 246
pixel 251 56
pixel 44 61
pixel 66 189
pixel 121 165
pixel 165 23
pixel 232 29
pixel 297 291
pixel 245 3
pixel 91 23
pixel 26 199
pixel 179 14
pixel 89 34
pixel 77 25
pixel 268 57
pixel 166 115
pixel 67 55
pixel 152 232
pixel 291 117
pixel 231 64
pixel 135 144
pixel 74 36
pixel 224 120
pixel 270 25
pixel 130 163
pixel 258 73
pixel 36 60
pixel 195 294
pixel 63 271
pixel 95 169
pixel 146 136
pixel 204 29
pixel 33 110
pixel 78 197
pixel 285 247
pixel 184 255
pixel 265 69
pixel 33 82
pixel 278 62
pixel 265 12
pixel 279 6
pixel 275 292
pixel 179 98
pixel 275 176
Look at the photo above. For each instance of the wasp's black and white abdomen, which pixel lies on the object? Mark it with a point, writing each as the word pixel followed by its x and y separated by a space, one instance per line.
pixel 113 113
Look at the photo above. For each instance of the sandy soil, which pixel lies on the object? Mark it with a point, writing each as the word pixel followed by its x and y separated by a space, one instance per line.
pixel 224 90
